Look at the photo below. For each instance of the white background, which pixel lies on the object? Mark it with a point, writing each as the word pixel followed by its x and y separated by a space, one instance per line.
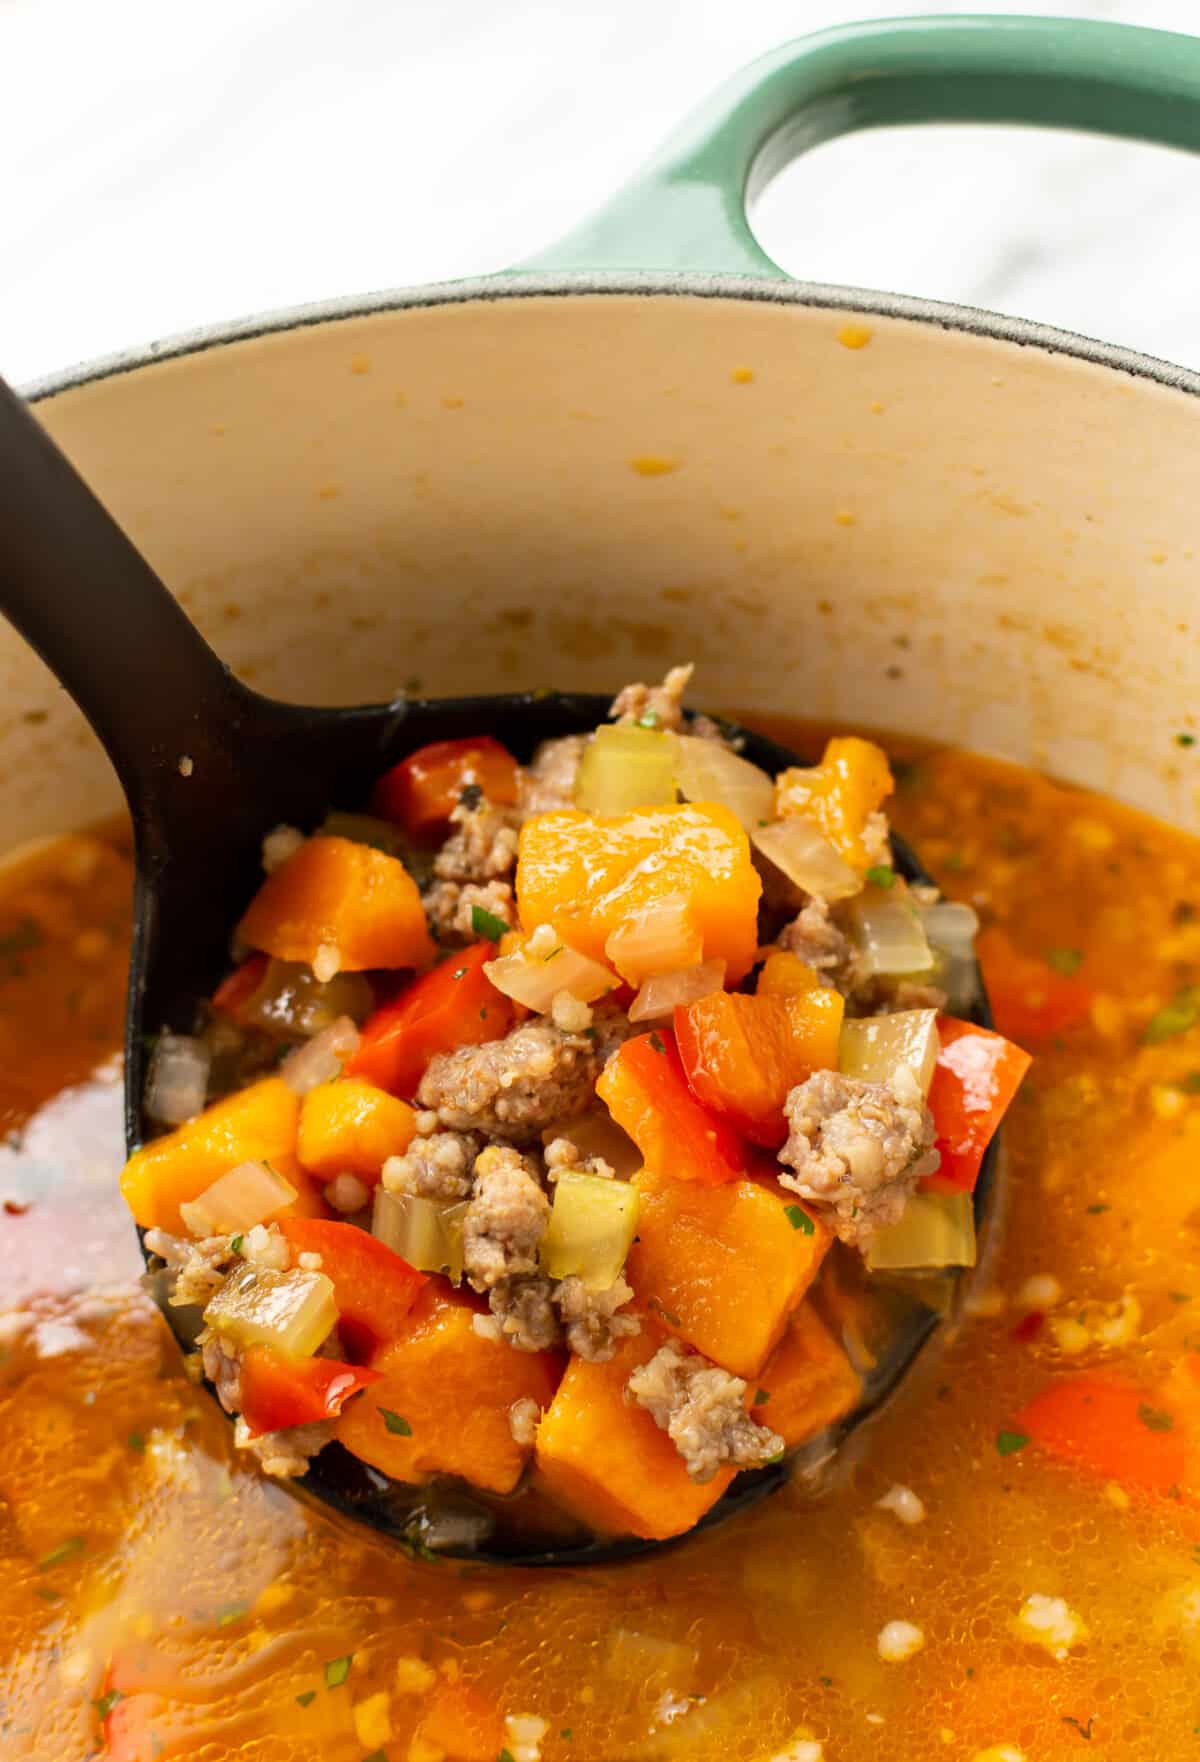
pixel 164 166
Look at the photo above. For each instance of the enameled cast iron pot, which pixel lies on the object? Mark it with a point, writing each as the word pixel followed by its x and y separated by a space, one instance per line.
pixel 651 445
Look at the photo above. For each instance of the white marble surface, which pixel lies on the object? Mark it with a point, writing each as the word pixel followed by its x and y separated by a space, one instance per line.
pixel 167 165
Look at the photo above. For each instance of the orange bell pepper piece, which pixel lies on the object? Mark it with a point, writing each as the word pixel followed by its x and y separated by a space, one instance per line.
pixel 1030 1001
pixel 743 1054
pixel 1110 1429
pixel 645 1090
pixel 839 795
pixel 351 1127
pixel 589 874
pixel 335 894
pixel 373 1287
pixel 280 1390
pixel 453 1005
pixel 975 1078
pixel 420 792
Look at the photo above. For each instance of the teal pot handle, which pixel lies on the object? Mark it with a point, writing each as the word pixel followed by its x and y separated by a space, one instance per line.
pixel 687 209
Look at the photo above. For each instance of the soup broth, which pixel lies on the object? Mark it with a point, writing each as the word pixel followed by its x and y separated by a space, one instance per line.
pixel 1029 1592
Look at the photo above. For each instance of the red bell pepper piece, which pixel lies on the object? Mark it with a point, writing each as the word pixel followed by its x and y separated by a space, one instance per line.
pixel 646 1092
pixel 420 792
pixel 373 1287
pixel 741 1055
pixel 279 1390
pixel 976 1076
pixel 1110 1429
pixel 1030 1001
pixel 454 1004
pixel 234 993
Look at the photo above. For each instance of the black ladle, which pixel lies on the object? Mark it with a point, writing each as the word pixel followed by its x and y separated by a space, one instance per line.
pixel 208 767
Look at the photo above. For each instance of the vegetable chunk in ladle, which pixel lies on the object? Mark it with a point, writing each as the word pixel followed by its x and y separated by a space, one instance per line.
pixel 211 770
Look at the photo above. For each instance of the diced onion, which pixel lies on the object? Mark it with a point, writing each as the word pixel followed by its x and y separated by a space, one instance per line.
pixel 177 1083
pixel 889 933
pixel 808 860
pixel 535 978
pixel 874 1047
pixel 247 1195
pixel 937 1229
pixel 951 930
pixel 661 938
pixel 597 1134
pixel 427 1233
pixel 592 1222
pixel 708 771
pixel 625 767
pixel 292 1311
pixel 291 1001
pixel 659 995
pixel 322 1059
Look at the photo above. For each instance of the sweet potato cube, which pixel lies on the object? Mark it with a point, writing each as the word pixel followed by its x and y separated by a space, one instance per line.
pixel 258 1124
pixel 723 1267
pixel 590 874
pixel 608 1462
pixel 442 1404
pixel 352 1127
pixel 808 1380
pixel 838 795
pixel 334 894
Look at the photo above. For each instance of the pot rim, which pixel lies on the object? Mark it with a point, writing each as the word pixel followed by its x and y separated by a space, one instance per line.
pixel 864 302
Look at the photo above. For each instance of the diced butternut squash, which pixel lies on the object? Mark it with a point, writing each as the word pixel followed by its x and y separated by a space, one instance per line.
pixel 258 1124
pixel 723 1267
pixel 352 1127
pixel 785 975
pixel 808 1380
pixel 607 1461
pixel 442 1404
pixel 589 875
pixel 838 795
pixel 358 905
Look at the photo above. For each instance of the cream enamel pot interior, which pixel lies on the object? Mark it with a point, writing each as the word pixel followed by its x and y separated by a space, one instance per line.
pixel 848 506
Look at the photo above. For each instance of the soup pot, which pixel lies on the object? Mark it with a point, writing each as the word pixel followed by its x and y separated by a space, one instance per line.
pixel 650 445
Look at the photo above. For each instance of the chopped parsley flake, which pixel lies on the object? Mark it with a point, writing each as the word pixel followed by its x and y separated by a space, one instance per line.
pixel 881 875
pixel 656 1041
pixel 376 1756
pixel 231 1613
pixel 772 1460
pixel 648 719
pixel 485 923
pixel 1085 1731
pixel 1066 961
pixel 470 796
pixel 1176 1017
pixel 136 1442
pixel 1008 1443
pixel 1095 1210
pixel 825 1681
pixel 762 1397
pixel 64 1551
pixel 337 1670
pixel 505 1756
pixel 567 1733
pixel 106 1703
pixel 307 1698
pixel 799 1219
pixel 459 973
pixel 235 1243
pixel 48 1594
pixel 1185 740
pixel 1154 1419
pixel 1180 1296
pixel 1191 1083
pixel 396 1423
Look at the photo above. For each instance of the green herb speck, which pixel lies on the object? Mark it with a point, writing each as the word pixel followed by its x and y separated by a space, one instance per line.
pixel 64 1551
pixel 459 973
pixel 1066 961
pixel 881 875
pixel 656 1041
pixel 505 1756
pixel 799 1219
pixel 1095 1210
pixel 485 923
pixel 48 1594
pixel 1180 1296
pixel 106 1703
pixel 1154 1419
pixel 307 1698
pixel 1176 1017
pixel 396 1423
pixel 762 1397
pixel 1008 1443
pixel 648 719
pixel 235 1243
pixel 567 1733
pixel 136 1442
pixel 337 1670
pixel 232 1612
pixel 1185 740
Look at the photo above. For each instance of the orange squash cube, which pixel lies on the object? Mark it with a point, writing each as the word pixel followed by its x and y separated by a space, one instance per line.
pixel 341 896
pixel 258 1124
pixel 723 1267
pixel 851 782
pixel 607 1461
pixel 809 1381
pixel 442 1404
pixel 590 874
pixel 352 1127
pixel 784 974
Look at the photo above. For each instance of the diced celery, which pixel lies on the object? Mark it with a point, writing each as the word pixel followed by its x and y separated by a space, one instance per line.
pixel 937 1229
pixel 427 1233
pixel 873 1047
pixel 625 767
pixel 256 1306
pixel 592 1222
pixel 889 933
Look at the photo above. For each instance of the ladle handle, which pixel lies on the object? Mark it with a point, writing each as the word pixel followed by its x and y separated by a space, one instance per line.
pixel 85 598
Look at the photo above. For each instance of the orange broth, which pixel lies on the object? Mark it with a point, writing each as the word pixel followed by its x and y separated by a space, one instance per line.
pixel 139 1557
